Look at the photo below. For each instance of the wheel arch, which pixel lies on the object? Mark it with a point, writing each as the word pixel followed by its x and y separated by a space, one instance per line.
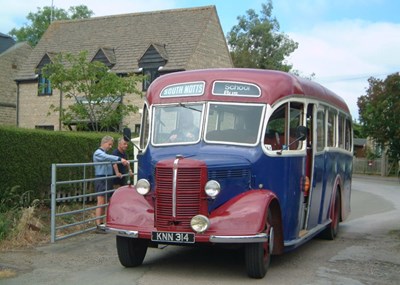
pixel 275 210
pixel 337 187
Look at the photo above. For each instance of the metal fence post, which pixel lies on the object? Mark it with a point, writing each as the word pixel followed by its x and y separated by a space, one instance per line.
pixel 53 202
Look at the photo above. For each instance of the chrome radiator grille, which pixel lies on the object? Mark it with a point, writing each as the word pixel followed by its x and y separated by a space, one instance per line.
pixel 188 194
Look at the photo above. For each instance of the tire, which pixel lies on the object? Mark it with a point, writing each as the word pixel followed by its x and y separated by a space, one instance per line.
pixel 332 230
pixel 258 255
pixel 131 251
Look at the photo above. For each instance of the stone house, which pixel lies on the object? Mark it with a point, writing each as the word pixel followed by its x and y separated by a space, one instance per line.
pixel 360 147
pixel 12 56
pixel 150 43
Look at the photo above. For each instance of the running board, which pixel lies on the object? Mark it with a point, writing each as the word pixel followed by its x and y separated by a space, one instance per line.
pixel 306 234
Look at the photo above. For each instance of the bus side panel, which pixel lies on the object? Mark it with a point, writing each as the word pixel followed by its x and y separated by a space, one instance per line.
pixel 346 190
pixel 317 190
pixel 282 175
pixel 331 172
pixel 338 164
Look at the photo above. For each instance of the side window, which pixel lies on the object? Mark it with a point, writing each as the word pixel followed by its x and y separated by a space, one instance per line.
pixel 331 128
pixel 348 138
pixel 295 120
pixel 282 125
pixel 341 131
pixel 144 136
pixel 275 134
pixel 320 130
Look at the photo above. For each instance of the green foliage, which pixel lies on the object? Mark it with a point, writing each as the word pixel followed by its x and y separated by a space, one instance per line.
pixel 27 158
pixel 255 42
pixel 97 93
pixel 379 113
pixel 40 21
pixel 5 224
pixel 358 130
pixel 11 203
pixel 11 199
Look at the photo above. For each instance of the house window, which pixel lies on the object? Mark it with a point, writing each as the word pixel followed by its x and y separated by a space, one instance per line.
pixel 45 127
pixel 137 128
pixel 150 74
pixel 44 86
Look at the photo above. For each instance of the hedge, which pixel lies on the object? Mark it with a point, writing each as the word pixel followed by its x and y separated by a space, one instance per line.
pixel 27 156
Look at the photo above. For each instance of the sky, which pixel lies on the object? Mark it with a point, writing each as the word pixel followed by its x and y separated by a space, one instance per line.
pixel 342 42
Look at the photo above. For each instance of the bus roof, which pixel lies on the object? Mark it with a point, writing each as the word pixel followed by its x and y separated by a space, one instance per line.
pixel 273 86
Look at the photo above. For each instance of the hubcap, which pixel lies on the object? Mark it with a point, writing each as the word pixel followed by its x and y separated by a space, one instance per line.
pixel 271 240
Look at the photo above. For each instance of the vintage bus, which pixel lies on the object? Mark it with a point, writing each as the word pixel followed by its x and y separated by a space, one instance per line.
pixel 257 158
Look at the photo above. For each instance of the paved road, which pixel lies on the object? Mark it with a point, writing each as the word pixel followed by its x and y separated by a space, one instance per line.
pixel 367 251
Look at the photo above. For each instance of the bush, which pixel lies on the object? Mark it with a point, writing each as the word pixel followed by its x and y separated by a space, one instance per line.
pixel 27 157
pixel 5 225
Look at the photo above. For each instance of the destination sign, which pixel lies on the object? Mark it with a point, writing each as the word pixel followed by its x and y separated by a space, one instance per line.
pixel 183 89
pixel 230 88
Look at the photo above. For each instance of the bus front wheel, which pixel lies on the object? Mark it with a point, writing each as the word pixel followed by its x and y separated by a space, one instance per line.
pixel 258 255
pixel 131 251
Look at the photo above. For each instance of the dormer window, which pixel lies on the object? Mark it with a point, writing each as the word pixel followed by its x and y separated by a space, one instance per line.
pixel 151 61
pixel 44 84
pixel 105 55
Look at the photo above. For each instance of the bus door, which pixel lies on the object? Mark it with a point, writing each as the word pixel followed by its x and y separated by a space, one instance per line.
pixel 317 156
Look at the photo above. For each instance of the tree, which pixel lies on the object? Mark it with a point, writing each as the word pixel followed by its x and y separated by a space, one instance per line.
pixel 379 113
pixel 358 130
pixel 40 21
pixel 97 93
pixel 255 42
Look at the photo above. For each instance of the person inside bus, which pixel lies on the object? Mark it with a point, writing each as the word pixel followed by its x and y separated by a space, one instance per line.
pixel 186 130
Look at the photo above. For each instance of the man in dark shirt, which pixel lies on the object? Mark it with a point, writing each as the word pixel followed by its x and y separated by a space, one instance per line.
pixel 121 170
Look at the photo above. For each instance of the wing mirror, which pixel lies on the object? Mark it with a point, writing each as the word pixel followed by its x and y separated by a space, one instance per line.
pixel 301 133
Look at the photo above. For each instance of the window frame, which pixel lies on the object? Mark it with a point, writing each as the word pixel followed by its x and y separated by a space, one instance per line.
pixel 147 80
pixel 44 86
pixel 287 108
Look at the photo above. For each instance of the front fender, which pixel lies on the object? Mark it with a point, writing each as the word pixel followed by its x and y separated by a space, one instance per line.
pixel 129 209
pixel 243 215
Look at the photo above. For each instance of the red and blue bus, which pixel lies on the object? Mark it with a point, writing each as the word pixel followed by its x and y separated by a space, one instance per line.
pixel 257 158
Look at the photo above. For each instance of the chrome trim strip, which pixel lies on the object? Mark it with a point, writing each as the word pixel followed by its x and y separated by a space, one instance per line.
pixel 263 237
pixel 120 232
pixel 174 182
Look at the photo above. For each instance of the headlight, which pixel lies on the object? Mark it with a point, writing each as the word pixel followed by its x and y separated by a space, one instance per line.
pixel 200 223
pixel 143 186
pixel 212 188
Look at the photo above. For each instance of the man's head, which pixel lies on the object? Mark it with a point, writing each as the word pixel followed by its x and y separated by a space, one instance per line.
pixel 122 144
pixel 107 143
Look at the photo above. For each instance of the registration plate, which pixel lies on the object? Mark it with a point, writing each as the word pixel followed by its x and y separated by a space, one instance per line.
pixel 172 237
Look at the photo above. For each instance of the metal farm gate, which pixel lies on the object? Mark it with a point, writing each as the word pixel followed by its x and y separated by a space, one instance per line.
pixel 73 199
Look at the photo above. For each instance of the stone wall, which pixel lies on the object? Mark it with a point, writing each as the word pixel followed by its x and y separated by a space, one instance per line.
pixel 34 109
pixel 10 63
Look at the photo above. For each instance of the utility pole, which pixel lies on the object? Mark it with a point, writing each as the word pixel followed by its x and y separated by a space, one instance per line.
pixel 51 14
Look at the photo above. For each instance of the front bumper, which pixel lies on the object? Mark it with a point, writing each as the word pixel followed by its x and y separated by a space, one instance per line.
pixel 261 237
